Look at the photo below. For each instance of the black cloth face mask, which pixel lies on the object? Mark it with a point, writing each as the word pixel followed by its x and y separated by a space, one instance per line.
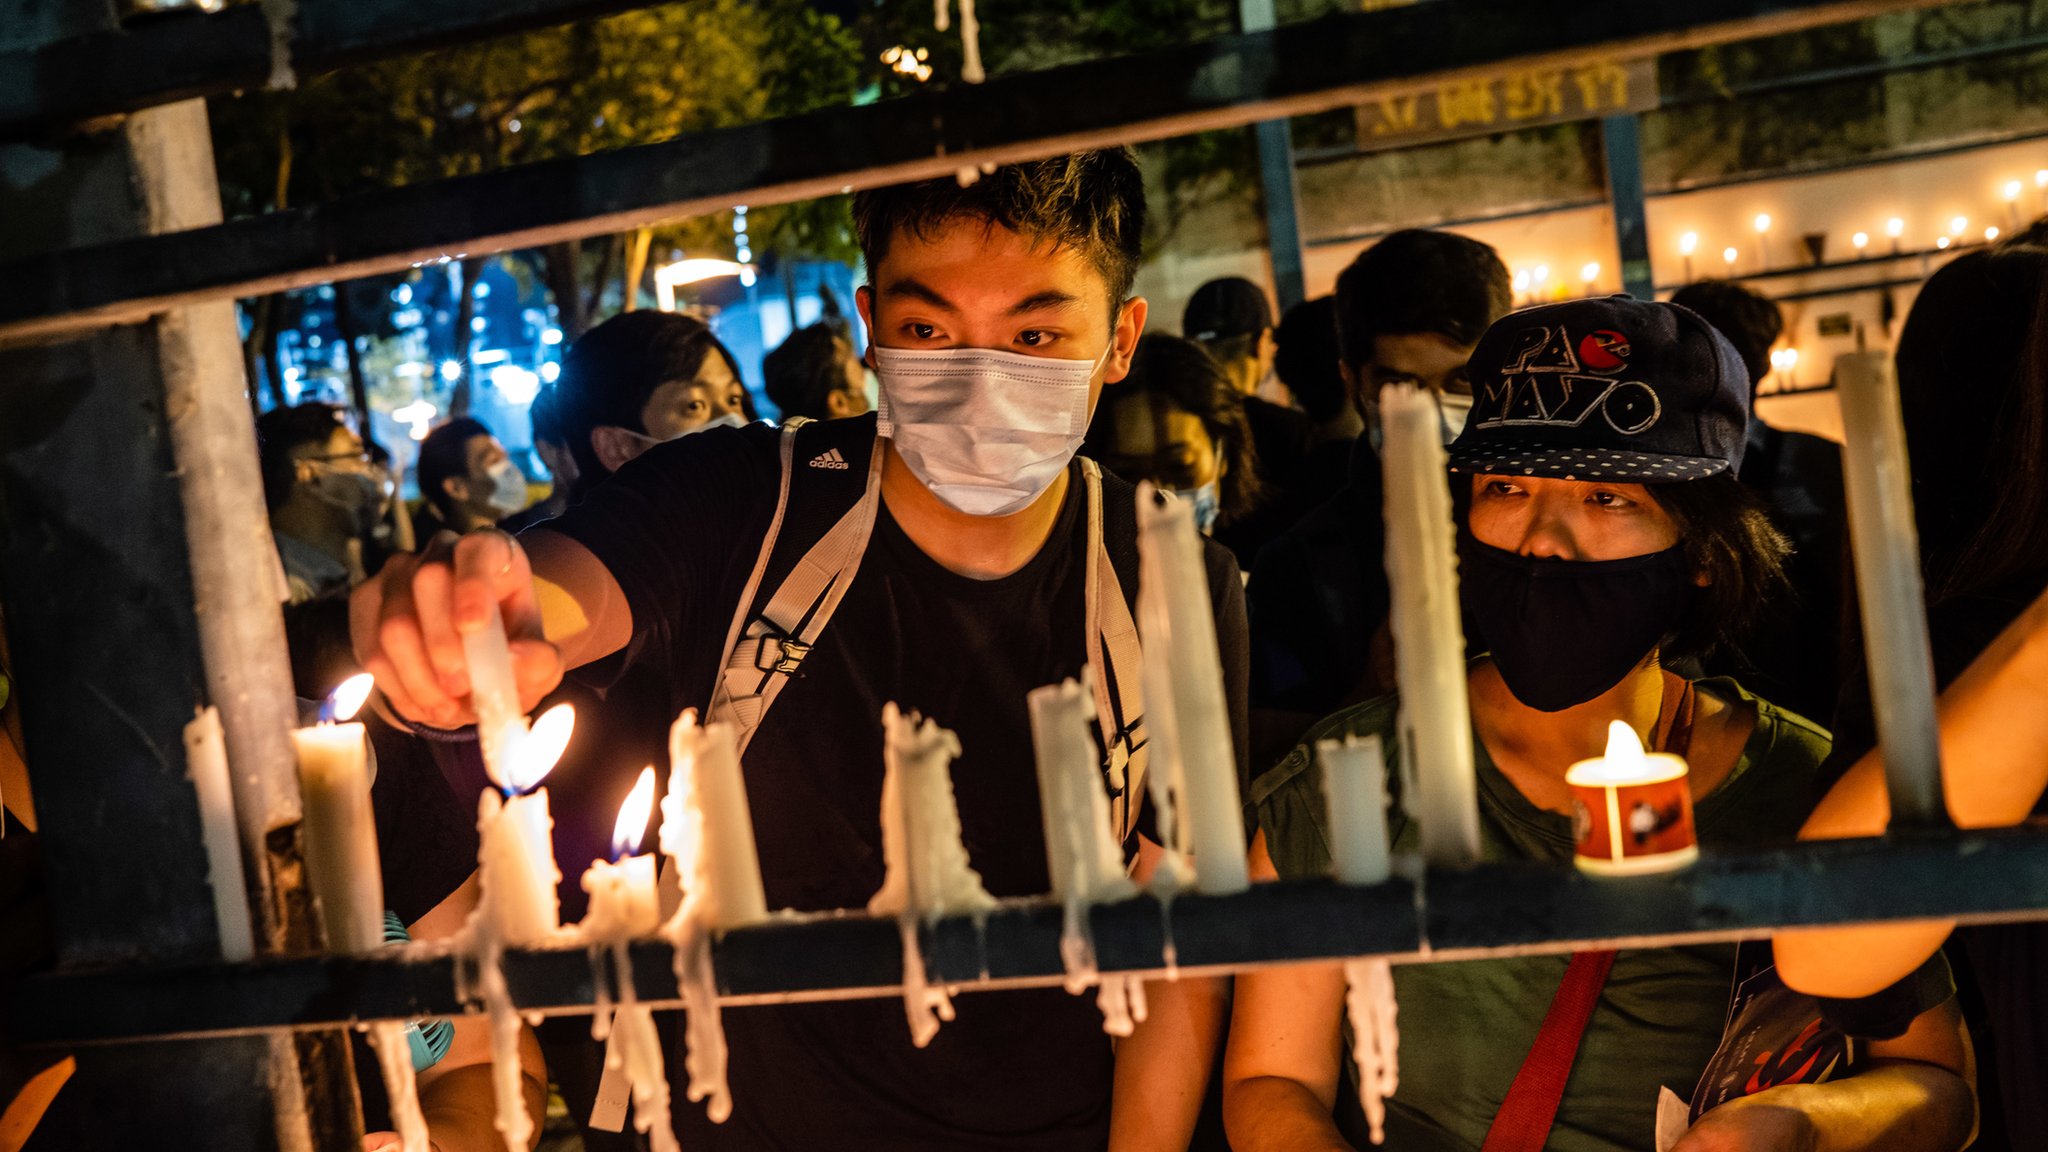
pixel 1564 631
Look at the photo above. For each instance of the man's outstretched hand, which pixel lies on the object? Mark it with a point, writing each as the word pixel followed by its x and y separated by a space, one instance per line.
pixel 407 625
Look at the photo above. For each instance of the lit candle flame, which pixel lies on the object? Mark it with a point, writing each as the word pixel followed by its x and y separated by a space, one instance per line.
pixel 1688 243
pixel 1590 272
pixel 1895 227
pixel 1763 222
pixel 535 755
pixel 1861 240
pixel 1730 255
pixel 345 701
pixel 1959 225
pixel 2012 191
pixel 632 825
pixel 1625 759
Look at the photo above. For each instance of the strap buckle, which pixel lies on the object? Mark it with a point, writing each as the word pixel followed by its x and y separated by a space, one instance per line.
pixel 788 655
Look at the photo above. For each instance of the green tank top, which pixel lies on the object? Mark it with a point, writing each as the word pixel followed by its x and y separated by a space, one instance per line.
pixel 1466 1026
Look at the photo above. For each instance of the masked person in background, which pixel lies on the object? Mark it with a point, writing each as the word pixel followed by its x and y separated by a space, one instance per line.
pixel 637 380
pixel 1602 535
pixel 325 496
pixel 467 479
pixel 987 560
pixel 1409 308
pixel 1177 421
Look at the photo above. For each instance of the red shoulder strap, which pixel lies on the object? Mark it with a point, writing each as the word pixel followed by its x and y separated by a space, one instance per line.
pixel 1524 1120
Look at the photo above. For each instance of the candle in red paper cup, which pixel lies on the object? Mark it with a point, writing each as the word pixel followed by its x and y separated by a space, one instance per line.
pixel 1631 810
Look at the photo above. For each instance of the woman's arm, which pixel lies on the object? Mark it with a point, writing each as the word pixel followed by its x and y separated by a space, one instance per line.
pixel 1994 754
pixel 1281 1064
pixel 1918 1094
pixel 456 1094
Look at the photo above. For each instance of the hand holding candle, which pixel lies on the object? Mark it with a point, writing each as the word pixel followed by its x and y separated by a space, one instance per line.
pixel 1632 811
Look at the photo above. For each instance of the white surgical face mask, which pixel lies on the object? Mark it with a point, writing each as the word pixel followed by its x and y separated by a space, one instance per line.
pixel 508 488
pixel 1455 409
pixel 988 432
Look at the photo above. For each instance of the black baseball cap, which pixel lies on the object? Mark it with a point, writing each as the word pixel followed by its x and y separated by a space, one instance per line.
pixel 1221 309
pixel 1611 389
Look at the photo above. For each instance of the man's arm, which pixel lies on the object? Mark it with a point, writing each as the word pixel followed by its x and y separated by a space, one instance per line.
pixel 456 1094
pixel 1162 1070
pixel 561 607
pixel 1917 1095
pixel 1281 1064
pixel 1994 753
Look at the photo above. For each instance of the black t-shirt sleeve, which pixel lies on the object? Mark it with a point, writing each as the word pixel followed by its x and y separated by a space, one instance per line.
pixel 426 834
pixel 667 523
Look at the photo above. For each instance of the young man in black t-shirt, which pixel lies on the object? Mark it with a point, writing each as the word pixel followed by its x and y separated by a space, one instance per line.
pixel 997 313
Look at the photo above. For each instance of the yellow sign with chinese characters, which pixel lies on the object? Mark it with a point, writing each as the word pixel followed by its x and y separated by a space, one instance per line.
pixel 1502 103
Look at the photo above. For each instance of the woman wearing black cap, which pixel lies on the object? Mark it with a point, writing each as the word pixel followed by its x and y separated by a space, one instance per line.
pixel 1604 539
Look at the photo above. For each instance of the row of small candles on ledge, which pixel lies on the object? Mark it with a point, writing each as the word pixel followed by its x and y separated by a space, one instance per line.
pixel 1633 810
pixel 1537 283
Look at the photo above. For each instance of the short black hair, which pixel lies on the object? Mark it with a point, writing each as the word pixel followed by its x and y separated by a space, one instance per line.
pixel 804 370
pixel 1414 281
pixel 1092 202
pixel 280 432
pixel 611 370
pixel 1306 360
pixel 445 454
pixel 1183 373
pixel 1749 319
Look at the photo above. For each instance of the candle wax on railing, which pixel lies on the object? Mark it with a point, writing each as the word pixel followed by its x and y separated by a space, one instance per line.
pixel 1429 639
pixel 623 905
pixel 1355 790
pixel 1375 1038
pixel 1086 862
pixel 401 1086
pixel 206 759
pixel 1877 481
pixel 1183 676
pixel 928 874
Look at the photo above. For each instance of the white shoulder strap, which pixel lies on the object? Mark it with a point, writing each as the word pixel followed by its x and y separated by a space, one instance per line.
pixel 1118 663
pixel 763 651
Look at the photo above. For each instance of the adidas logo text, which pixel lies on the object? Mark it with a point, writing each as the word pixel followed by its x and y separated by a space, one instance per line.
pixel 831 459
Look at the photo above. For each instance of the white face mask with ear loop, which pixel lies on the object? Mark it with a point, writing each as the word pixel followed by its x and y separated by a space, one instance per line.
pixel 986 431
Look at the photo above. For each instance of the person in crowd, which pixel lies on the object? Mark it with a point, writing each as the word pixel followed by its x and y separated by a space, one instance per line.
pixel 1177 422
pixel 1593 554
pixel 553 450
pixel 1308 362
pixel 997 311
pixel 816 374
pixel 324 494
pixel 637 380
pixel 1409 308
pixel 1973 384
pixel 1794 656
pixel 1232 319
pixel 466 479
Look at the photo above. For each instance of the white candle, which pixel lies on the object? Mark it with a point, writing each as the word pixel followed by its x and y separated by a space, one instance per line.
pixel 707 826
pixel 1886 546
pixel 494 694
pixel 1086 862
pixel 928 872
pixel 342 868
pixel 707 831
pixel 623 903
pixel 1429 640
pixel 1183 676
pixel 516 855
pixel 206 760
pixel 1081 849
pixel 1355 789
